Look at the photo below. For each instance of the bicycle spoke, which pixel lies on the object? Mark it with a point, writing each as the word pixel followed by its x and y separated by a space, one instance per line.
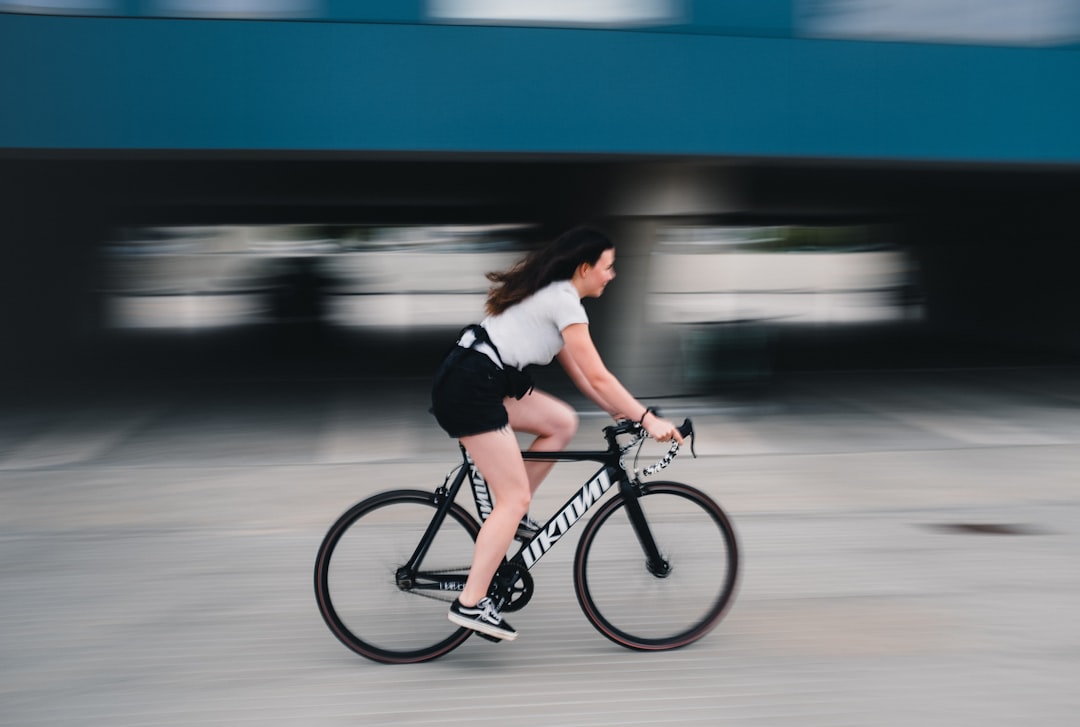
pixel 359 588
pixel 639 604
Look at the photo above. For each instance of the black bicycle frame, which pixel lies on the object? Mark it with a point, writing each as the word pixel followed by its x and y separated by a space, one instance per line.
pixel 611 473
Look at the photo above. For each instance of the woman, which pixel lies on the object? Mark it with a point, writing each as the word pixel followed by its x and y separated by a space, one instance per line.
pixel 481 397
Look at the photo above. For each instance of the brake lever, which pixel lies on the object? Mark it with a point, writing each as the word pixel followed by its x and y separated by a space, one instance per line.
pixel 687 430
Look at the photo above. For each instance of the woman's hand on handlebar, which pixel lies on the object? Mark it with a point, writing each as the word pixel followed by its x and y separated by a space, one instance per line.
pixel 659 429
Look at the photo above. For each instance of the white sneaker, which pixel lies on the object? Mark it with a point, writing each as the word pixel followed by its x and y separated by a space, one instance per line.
pixel 482 617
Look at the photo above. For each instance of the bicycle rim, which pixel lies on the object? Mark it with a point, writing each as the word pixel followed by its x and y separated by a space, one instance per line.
pixel 638 609
pixel 356 577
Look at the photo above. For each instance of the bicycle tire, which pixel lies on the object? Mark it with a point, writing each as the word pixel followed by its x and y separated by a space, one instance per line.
pixel 357 589
pixel 630 605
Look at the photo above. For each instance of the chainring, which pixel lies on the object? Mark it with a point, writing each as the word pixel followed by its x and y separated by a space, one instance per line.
pixel 514 593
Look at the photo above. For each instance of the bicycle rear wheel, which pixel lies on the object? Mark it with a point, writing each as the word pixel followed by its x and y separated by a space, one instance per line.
pixel 363 600
pixel 653 607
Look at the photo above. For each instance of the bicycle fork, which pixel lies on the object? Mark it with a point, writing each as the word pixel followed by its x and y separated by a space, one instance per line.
pixel 632 493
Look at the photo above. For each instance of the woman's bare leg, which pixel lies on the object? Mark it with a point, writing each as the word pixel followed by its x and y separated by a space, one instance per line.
pixel 553 422
pixel 512 480
pixel 498 457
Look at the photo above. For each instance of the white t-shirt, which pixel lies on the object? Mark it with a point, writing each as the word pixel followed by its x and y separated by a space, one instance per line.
pixel 530 332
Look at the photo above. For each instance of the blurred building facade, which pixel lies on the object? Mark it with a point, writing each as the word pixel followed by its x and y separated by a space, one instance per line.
pixel 775 173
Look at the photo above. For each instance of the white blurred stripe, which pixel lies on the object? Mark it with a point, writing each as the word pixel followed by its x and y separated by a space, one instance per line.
pixel 989 21
pixel 239 8
pixel 977 430
pixel 61 7
pixel 575 12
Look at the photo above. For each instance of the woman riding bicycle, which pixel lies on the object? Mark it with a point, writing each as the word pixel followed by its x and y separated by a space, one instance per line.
pixel 482 396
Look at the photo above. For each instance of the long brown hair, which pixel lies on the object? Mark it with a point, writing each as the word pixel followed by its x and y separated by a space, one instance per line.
pixel 556 261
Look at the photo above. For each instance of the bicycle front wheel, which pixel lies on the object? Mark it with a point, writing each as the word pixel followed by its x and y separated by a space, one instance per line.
pixel 372 607
pixel 664 604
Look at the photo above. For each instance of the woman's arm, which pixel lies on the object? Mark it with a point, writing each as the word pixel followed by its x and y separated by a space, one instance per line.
pixel 588 372
pixel 583 385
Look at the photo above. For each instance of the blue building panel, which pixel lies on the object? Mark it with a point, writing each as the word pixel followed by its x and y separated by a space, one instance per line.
pixel 153 83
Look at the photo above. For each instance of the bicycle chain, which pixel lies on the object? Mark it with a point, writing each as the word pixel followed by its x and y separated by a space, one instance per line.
pixel 515 603
pixel 443 572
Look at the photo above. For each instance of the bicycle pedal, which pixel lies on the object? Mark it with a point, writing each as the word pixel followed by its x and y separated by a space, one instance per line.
pixel 489 637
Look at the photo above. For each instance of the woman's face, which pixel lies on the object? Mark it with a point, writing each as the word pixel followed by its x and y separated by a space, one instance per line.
pixel 595 277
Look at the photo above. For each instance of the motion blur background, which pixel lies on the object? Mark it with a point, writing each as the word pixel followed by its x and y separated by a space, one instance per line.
pixel 237 235
pixel 314 187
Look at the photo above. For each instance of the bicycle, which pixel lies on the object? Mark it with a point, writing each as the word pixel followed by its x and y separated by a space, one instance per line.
pixel 655 567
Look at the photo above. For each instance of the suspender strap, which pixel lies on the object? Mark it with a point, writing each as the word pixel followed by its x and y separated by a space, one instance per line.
pixel 480 335
pixel 518 382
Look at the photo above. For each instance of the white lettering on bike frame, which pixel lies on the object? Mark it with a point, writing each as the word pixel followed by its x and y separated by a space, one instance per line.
pixel 555 528
pixel 558 526
pixel 480 491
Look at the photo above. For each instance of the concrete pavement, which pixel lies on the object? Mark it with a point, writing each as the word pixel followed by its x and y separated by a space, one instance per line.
pixel 910 543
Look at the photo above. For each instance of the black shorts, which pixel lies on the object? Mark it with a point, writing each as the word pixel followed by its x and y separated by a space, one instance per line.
pixel 467 394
